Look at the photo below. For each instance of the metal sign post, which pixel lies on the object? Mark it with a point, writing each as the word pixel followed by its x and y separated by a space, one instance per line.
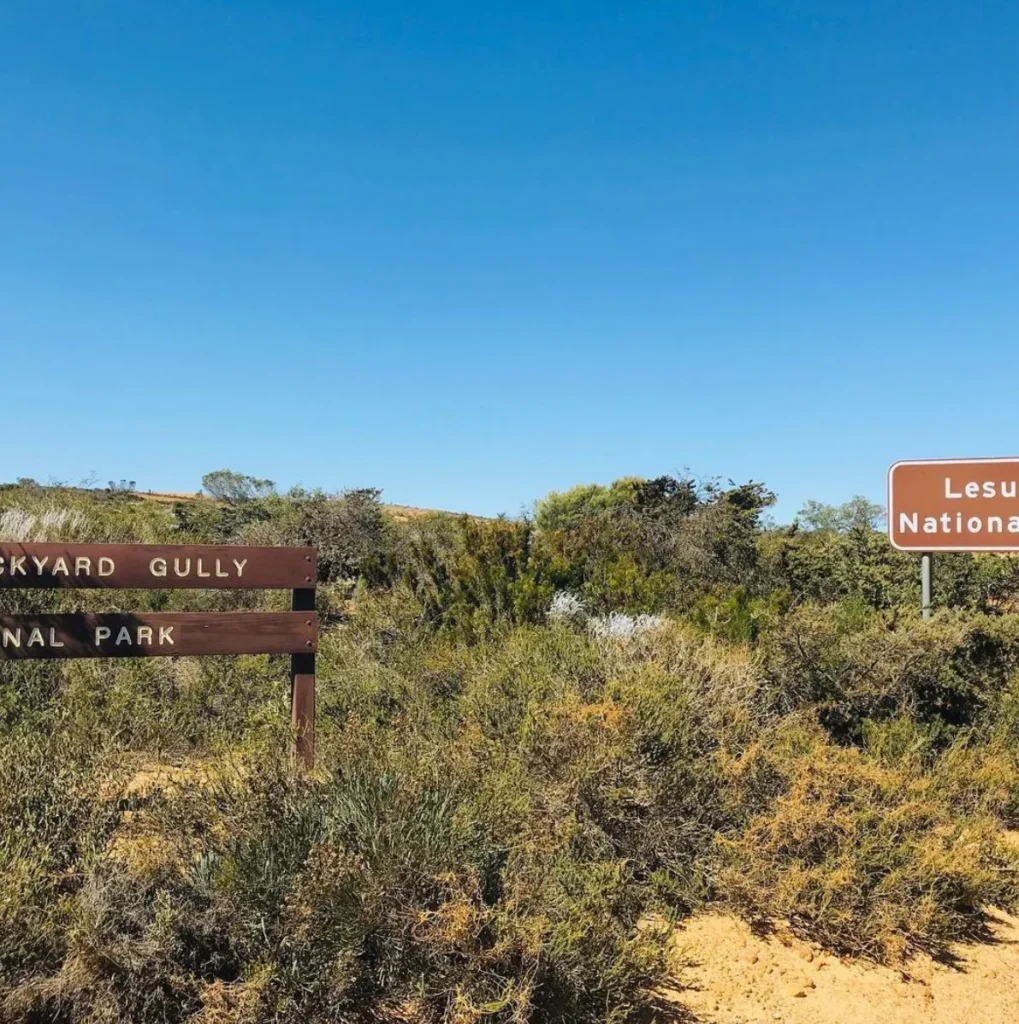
pixel 926 583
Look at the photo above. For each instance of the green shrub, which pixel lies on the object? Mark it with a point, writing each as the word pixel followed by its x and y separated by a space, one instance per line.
pixel 863 858
pixel 384 890
pixel 566 510
pixel 56 815
pixel 853 665
pixel 470 577
pixel 737 616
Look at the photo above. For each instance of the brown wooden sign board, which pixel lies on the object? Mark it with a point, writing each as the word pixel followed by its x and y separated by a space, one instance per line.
pixel 163 634
pixel 156 567
pixel 144 635
pixel 954 505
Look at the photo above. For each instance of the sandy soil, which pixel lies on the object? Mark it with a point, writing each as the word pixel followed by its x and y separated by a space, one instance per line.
pixel 402 513
pixel 728 975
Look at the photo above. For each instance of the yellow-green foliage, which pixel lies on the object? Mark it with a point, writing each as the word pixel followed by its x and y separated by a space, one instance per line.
pixel 564 510
pixel 499 802
pixel 863 856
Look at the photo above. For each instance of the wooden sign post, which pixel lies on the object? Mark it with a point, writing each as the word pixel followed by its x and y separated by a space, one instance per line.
pixel 302 683
pixel 191 567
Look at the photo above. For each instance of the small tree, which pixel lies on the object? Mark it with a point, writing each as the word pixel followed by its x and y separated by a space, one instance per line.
pixel 349 531
pixel 857 512
pixel 227 485
pixel 566 510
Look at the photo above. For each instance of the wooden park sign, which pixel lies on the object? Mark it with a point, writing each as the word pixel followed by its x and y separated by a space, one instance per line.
pixel 163 634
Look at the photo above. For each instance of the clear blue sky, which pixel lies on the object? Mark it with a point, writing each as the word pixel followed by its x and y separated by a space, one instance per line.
pixel 470 252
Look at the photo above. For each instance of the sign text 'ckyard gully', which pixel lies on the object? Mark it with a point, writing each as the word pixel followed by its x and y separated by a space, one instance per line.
pixel 154 566
pixel 162 634
pixel 41 566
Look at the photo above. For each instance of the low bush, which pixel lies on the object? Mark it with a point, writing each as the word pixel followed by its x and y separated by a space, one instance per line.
pixel 853 665
pixel 57 813
pixel 395 885
pixel 865 858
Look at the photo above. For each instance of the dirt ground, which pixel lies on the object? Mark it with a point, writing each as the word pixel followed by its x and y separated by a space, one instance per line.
pixel 729 975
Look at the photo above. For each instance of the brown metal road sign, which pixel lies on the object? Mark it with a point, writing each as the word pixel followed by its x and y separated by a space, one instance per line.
pixel 954 505
pixel 156 566
pixel 160 634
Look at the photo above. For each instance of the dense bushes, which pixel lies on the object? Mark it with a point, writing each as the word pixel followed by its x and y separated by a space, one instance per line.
pixel 56 817
pixel 826 566
pixel 854 666
pixel 437 866
pixel 470 577
pixel 716 711
pixel 865 857
pixel 349 530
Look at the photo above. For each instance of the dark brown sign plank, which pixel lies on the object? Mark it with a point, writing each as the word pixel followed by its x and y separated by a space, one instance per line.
pixel 156 566
pixel 160 634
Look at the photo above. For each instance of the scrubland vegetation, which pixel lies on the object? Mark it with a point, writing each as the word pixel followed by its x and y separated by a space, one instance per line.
pixel 539 742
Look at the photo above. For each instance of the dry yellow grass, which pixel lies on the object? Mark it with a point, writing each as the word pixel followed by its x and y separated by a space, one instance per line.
pixel 401 513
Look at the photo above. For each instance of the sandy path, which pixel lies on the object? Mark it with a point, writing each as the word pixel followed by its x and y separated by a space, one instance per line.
pixel 731 976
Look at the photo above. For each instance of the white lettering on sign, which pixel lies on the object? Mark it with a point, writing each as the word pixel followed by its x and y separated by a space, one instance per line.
pixel 104 566
pixel 36 638
pixel 129 636
pixel 952 525
pixel 981 489
pixel 141 635
pixel 15 565
pixel 183 568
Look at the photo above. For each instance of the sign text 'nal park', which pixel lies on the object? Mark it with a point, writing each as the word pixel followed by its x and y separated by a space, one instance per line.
pixel 162 634
pixel 170 634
